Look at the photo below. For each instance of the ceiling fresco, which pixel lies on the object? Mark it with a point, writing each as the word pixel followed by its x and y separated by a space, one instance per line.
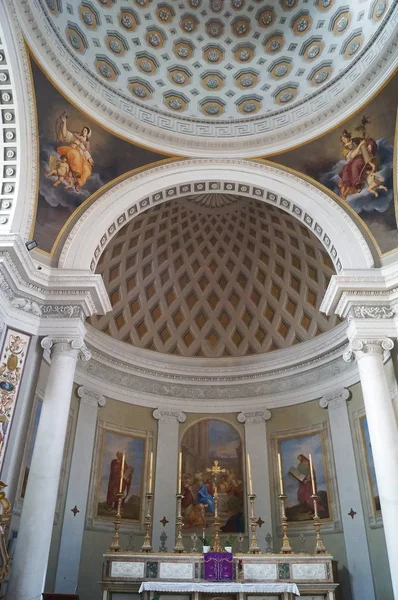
pixel 77 158
pixel 356 162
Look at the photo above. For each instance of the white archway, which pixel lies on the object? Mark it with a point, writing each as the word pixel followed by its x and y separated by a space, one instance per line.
pixel 317 210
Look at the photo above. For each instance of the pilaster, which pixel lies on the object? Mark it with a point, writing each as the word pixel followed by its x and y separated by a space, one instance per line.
pixel 256 445
pixel 77 494
pixel 165 489
pixel 355 538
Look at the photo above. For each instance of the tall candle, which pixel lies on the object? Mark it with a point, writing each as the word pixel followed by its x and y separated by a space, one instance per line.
pixel 179 472
pixel 312 475
pixel 249 468
pixel 280 474
pixel 150 473
pixel 122 473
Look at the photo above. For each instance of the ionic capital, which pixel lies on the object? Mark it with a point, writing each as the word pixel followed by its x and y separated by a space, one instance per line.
pixel 249 418
pixel 169 416
pixel 73 347
pixel 335 399
pixel 90 398
pixel 362 347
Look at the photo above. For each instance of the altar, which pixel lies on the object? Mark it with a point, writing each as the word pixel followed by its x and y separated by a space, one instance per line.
pixel 255 577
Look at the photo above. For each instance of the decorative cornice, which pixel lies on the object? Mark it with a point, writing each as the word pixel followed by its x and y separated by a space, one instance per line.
pixel 73 347
pixel 361 347
pixel 169 416
pixel 335 399
pixel 372 311
pixel 90 397
pixel 251 418
pixel 269 133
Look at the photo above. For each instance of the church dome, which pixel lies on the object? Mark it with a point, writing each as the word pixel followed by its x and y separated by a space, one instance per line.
pixel 215 275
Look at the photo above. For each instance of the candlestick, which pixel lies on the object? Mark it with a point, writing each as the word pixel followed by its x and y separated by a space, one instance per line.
pixel 286 547
pixel 115 545
pixel 179 472
pixel 249 468
pixel 150 473
pixel 254 548
pixel 147 543
pixel 280 474
pixel 319 547
pixel 122 473
pixel 312 476
pixel 179 545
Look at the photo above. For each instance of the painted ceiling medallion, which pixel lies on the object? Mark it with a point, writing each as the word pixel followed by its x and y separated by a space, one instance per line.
pixel 216 5
pixel 147 64
pixel 266 17
pixel 237 4
pixel 106 68
pixel 155 38
pixel 286 95
pixel 179 76
pixel 340 22
pixel 321 74
pixel 324 4
pixel 288 4
pixel 183 50
pixel 189 24
pixel 244 54
pixel 76 39
pixel 128 20
pixel 214 28
pixel 116 44
pixel 176 102
pixel 246 79
pixel 312 49
pixel 212 108
pixel 142 3
pixel 241 27
pixel 302 24
pixel 379 8
pixel 164 14
pixel 195 3
pixel 249 106
pixel 140 89
pixel 353 45
pixel 274 43
pixel 280 69
pixel 88 16
pixel 213 54
pixel 106 3
pixel 213 81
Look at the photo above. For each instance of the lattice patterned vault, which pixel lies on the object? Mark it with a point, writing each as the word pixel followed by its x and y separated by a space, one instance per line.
pixel 216 277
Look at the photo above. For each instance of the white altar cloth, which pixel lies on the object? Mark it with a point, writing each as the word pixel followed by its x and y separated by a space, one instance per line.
pixel 222 587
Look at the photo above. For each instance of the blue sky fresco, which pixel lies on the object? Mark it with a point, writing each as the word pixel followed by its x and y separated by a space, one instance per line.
pixel 135 452
pixel 289 450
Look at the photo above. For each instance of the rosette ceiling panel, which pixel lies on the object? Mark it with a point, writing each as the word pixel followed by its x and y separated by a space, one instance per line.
pixel 215 276
pixel 208 71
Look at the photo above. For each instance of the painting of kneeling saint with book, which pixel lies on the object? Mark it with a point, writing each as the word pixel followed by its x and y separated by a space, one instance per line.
pixel 297 477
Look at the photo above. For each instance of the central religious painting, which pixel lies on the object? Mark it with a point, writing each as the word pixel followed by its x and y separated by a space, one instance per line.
pixel 204 442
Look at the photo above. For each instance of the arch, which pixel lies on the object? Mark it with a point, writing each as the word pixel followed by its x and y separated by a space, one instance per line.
pixel 312 205
pixel 212 418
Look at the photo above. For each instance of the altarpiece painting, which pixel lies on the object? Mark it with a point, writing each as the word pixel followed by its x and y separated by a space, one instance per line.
pixel 204 442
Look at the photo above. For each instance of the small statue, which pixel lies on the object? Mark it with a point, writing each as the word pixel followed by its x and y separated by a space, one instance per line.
pixel 268 540
pixel 194 539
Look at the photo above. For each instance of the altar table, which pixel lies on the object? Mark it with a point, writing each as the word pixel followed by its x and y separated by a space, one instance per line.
pixel 220 587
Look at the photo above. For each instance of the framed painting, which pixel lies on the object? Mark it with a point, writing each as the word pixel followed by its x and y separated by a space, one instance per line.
pixel 109 473
pixel 295 447
pixel 204 442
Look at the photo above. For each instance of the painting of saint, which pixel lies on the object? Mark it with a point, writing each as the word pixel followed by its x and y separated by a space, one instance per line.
pixel 355 161
pixel 77 158
pixel 203 443
pixel 110 475
pixel 370 465
pixel 297 479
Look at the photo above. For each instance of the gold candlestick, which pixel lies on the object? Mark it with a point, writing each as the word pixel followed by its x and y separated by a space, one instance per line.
pixel 115 545
pixel 254 548
pixel 147 543
pixel 286 547
pixel 216 545
pixel 319 547
pixel 179 545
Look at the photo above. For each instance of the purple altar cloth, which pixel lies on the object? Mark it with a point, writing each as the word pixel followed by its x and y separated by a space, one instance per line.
pixel 218 566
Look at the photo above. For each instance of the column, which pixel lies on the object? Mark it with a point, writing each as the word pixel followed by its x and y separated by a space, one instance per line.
pixel 165 489
pixel 256 446
pixel 34 537
pixel 355 539
pixel 77 495
pixel 383 432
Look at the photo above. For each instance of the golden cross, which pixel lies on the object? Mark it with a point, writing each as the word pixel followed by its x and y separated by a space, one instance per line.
pixel 215 469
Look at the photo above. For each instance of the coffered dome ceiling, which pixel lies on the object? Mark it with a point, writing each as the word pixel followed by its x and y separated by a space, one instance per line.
pixel 215 68
pixel 212 276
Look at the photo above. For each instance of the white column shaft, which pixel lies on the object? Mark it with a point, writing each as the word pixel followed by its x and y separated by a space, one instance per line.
pixel 356 543
pixel 383 431
pixel 165 481
pixel 77 494
pixel 34 537
pixel 256 446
